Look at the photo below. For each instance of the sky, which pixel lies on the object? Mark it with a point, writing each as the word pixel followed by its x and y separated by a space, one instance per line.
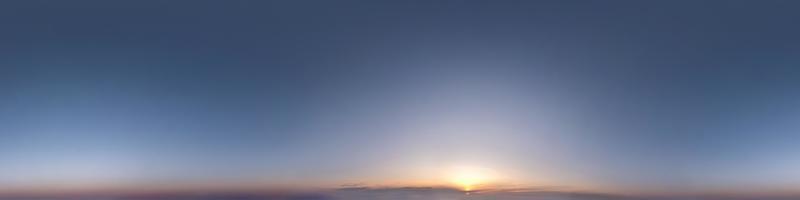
pixel 612 96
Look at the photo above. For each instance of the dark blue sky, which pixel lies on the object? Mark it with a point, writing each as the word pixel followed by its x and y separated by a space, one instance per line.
pixel 606 95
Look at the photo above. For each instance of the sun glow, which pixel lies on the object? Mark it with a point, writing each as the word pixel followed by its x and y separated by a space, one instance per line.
pixel 471 178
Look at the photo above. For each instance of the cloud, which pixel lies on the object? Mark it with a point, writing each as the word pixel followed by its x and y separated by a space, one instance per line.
pixel 359 192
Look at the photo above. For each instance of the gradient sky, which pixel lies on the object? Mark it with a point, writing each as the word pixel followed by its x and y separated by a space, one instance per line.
pixel 604 95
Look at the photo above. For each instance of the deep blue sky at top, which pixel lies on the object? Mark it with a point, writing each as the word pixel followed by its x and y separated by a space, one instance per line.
pixel 698 94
